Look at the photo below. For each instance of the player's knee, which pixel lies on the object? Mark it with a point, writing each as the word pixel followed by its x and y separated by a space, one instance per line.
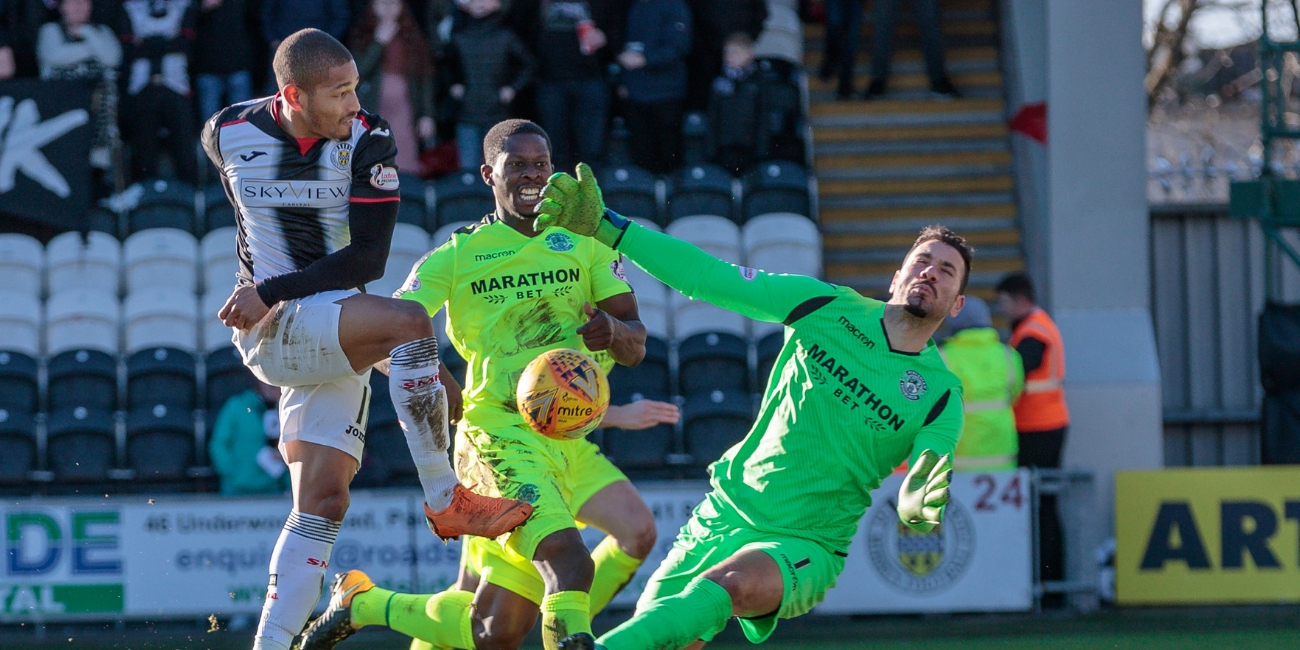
pixel 742 590
pixel 331 504
pixel 640 539
pixel 409 322
pixel 565 564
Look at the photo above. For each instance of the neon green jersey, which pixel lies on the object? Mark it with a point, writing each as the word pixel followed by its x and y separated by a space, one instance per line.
pixel 509 298
pixel 841 409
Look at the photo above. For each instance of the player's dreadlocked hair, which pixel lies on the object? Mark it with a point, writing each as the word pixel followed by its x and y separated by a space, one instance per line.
pixel 305 57
pixel 943 234
pixel 495 140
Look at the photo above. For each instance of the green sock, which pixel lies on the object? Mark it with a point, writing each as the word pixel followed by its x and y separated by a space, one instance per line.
pixel 614 569
pixel 443 620
pixel 674 622
pixel 564 613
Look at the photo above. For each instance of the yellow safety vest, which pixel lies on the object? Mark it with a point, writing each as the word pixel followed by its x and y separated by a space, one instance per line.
pixel 992 376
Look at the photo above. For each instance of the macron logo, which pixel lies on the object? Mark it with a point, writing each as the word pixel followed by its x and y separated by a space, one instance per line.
pixel 249 156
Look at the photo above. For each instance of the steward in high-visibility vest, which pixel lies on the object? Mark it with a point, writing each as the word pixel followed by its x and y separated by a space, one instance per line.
pixel 1042 406
pixel 991 378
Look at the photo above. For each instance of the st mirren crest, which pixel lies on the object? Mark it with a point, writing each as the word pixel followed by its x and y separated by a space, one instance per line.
pixel 913 385
pixel 341 156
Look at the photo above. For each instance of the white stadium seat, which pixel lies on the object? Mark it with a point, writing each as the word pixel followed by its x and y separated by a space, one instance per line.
pixel 218 253
pixel 718 236
pixel 160 257
pixel 783 243
pixel 20 322
pixel 696 316
pixel 161 317
pixel 94 264
pixel 652 304
pixel 82 318
pixel 22 259
pixel 410 243
pixel 441 235
pixel 215 333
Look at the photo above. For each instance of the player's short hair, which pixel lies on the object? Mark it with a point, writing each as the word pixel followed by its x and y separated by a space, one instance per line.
pixel 1017 284
pixel 495 141
pixel 305 58
pixel 943 234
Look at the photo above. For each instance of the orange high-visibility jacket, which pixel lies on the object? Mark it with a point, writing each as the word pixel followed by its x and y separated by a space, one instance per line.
pixel 1041 406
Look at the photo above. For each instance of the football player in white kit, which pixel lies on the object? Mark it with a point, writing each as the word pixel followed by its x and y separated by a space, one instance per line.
pixel 315 190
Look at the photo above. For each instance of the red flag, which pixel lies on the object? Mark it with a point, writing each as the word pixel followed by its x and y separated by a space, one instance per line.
pixel 1031 120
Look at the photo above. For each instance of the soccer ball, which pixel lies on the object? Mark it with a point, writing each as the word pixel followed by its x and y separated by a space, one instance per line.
pixel 563 394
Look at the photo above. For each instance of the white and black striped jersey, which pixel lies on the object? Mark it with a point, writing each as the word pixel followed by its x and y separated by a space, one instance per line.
pixel 313 214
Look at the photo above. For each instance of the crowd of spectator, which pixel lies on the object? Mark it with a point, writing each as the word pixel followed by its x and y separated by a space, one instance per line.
pixel 440 71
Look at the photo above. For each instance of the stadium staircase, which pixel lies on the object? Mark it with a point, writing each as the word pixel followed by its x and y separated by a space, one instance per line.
pixel 887 167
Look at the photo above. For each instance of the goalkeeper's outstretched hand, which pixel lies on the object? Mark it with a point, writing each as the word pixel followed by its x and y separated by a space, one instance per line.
pixel 924 492
pixel 577 206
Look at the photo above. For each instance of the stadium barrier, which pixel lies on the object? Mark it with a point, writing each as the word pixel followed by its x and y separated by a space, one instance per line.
pixel 1208 536
pixel 184 556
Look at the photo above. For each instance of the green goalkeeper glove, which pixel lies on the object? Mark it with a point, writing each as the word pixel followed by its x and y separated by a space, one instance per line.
pixel 924 492
pixel 576 205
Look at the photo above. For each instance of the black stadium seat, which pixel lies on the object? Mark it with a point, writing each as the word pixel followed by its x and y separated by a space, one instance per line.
pixel 387 458
pixel 18 382
pixel 82 378
pixel 769 347
pixel 82 444
pixel 219 212
pixel 166 203
pixel 639 450
pixel 701 189
pixel 414 208
pixel 17 446
pixel 461 197
pixel 648 378
pixel 161 376
pixel 227 376
pixel 713 422
pixel 711 361
pixel 630 191
pixel 160 442
pixel 776 186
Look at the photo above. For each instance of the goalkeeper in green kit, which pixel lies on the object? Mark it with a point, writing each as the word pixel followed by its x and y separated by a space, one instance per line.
pixel 858 387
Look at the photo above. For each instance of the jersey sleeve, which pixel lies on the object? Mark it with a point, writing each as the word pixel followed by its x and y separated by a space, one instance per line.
pixel 942 426
pixel 607 277
pixel 770 297
pixel 430 280
pixel 374 166
pixel 211 141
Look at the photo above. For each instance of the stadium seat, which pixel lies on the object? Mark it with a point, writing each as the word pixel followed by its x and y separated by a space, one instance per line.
pixel 160 442
pixel 649 379
pixel 444 232
pixel 161 317
pixel 385 441
pixel 20 322
pixel 104 221
pixel 93 263
pixel 19 384
pixel 410 243
pixel 461 197
pixel 695 139
pixel 22 260
pixel 218 212
pixel 652 305
pixel 718 237
pixel 783 243
pixel 641 450
pixel 82 378
pixel 227 376
pixel 713 361
pixel 166 203
pixel 161 376
pixel 454 362
pixel 219 257
pixel 78 319
pixel 713 422
pixel 414 208
pixel 81 444
pixel 631 191
pixel 776 186
pixel 769 346
pixel 215 333
pixel 17 446
pixel 701 189
pixel 691 317
pixel 160 257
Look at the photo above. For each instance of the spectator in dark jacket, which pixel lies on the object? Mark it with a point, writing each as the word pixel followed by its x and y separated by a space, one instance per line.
pixel 281 18
pixel 158 36
pixel 487 65
pixel 574 40
pixel 654 80
pixel 715 20
pixel 223 57
pixel 734 106
pixel 396 70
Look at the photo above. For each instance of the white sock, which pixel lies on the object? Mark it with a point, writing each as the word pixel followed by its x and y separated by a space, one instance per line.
pixel 297 576
pixel 421 404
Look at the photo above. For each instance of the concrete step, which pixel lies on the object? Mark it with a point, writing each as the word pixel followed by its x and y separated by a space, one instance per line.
pixel 954 24
pixel 882 120
pixel 828 96
pixel 862 68
pixel 911 172
pixel 942 132
pixel 831 163
pixel 965 82
pixel 860 215
pixel 894 253
pixel 909 147
pixel 998 241
pixel 949 202
pixel 905 186
pixel 899 106
pixel 865 230
pixel 953 56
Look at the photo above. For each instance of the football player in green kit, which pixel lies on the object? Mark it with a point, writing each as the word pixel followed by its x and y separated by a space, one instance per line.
pixel 858 388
